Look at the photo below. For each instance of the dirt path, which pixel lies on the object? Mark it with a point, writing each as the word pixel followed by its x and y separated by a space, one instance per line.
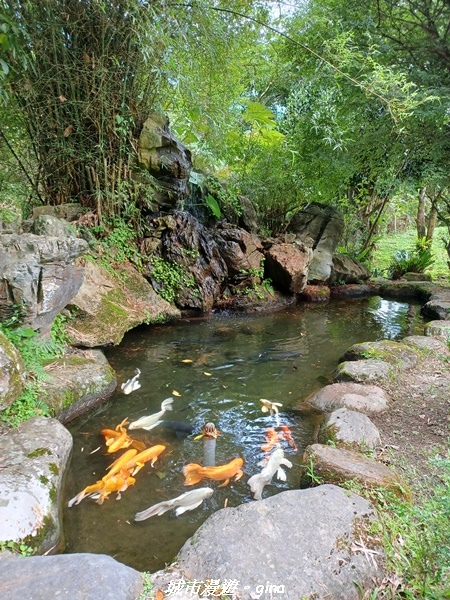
pixel 417 424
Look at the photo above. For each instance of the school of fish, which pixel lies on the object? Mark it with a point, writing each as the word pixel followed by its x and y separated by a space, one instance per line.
pixel 121 473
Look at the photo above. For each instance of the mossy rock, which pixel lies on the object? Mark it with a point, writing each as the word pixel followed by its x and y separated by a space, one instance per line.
pixel 396 354
pixel 12 373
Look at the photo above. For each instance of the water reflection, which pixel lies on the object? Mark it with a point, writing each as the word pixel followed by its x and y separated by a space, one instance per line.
pixel 236 360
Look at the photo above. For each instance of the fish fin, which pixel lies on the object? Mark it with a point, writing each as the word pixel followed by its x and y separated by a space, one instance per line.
pixel 119 496
pixel 182 509
pixel 156 509
pixel 257 484
pixel 287 463
pixel 265 409
pixel 238 475
pixel 167 404
pixel 226 482
pixel 138 372
pixel 192 473
pixel 138 445
pixel 281 475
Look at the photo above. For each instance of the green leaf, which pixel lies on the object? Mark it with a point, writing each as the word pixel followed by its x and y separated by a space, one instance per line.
pixel 213 206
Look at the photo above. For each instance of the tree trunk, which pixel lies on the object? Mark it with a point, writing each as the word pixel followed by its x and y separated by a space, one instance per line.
pixel 420 219
pixel 432 222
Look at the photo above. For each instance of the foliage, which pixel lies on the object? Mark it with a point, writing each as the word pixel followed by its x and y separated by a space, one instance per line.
pixel 169 278
pixel 17 548
pixel 117 243
pixel 36 352
pixel 415 261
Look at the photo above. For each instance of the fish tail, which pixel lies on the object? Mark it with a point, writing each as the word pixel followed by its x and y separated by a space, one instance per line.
pixel 257 484
pixel 193 474
pixel 167 404
pixel 157 509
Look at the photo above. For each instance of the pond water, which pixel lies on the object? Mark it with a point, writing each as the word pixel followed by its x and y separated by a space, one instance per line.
pixel 236 360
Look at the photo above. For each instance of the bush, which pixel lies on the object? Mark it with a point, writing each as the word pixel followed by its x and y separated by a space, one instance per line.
pixel 415 261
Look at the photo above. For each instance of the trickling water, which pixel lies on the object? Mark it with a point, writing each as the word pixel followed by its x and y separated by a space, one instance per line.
pixel 236 360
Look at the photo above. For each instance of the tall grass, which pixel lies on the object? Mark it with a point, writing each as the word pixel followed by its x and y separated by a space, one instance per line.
pixel 389 244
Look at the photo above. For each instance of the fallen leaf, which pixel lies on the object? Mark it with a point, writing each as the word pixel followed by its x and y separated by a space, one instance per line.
pixel 175 393
pixel 96 450
pixel 207 374
pixel 68 130
pixel 159 595
pixel 62 98
pixel 187 360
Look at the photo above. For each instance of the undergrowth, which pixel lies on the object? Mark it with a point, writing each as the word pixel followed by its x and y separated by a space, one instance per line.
pixel 415 538
pixel 36 352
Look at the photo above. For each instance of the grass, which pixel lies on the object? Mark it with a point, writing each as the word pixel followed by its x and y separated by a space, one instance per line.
pixel 389 244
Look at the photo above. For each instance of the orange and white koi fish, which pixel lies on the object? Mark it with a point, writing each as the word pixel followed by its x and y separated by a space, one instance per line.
pixel 136 463
pixel 194 473
pixel 286 435
pixel 272 440
pixel 260 480
pixel 152 420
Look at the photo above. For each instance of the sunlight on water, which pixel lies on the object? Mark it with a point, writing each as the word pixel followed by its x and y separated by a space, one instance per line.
pixel 236 360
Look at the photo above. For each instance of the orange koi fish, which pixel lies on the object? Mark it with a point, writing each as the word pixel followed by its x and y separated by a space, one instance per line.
pixel 102 488
pixel 286 434
pixel 118 438
pixel 272 440
pixel 119 464
pixel 194 473
pixel 136 463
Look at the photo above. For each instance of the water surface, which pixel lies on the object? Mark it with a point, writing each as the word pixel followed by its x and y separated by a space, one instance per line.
pixel 236 360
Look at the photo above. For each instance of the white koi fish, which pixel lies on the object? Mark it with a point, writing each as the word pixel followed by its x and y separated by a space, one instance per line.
pixel 152 420
pixel 132 384
pixel 185 502
pixel 260 480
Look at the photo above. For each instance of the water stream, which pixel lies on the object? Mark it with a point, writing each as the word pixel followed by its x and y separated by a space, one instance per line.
pixel 236 360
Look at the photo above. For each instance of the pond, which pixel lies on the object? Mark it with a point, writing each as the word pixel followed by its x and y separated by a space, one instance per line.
pixel 236 361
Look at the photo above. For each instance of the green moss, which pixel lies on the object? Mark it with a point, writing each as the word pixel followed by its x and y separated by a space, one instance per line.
pixel 44 532
pixel 53 493
pixel 67 399
pixel 53 468
pixel 39 452
pixel 43 479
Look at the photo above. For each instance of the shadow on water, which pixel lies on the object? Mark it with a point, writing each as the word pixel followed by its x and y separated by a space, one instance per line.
pixel 236 360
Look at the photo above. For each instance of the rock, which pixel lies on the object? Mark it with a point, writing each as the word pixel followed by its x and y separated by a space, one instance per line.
pixel 72 576
pixel 316 293
pixel 78 382
pixel 106 307
pixel 336 465
pixel 51 226
pixel 346 269
pixel 241 250
pixel 349 428
pixel 34 460
pixel 70 211
pixel 37 275
pixel 248 218
pixel 354 291
pixel 304 543
pixel 407 289
pixel 362 371
pixel 12 373
pixel 429 344
pixel 397 354
pixel 416 277
pixel 166 159
pixel 190 246
pixel 320 227
pixel 439 330
pixel 287 266
pixel 438 306
pixel 366 399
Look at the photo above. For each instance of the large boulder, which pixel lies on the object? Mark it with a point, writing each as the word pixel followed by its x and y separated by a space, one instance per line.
pixel 241 250
pixel 320 228
pixel 106 307
pixel 34 459
pixel 362 371
pixel 70 576
pixel 166 159
pixel 12 373
pixel 346 270
pixel 189 249
pixel 299 543
pixel 77 382
pixel 439 330
pixel 287 265
pixel 349 428
pixel 399 355
pixel 38 277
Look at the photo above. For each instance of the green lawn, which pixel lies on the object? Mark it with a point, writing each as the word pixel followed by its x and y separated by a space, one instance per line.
pixel 389 244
